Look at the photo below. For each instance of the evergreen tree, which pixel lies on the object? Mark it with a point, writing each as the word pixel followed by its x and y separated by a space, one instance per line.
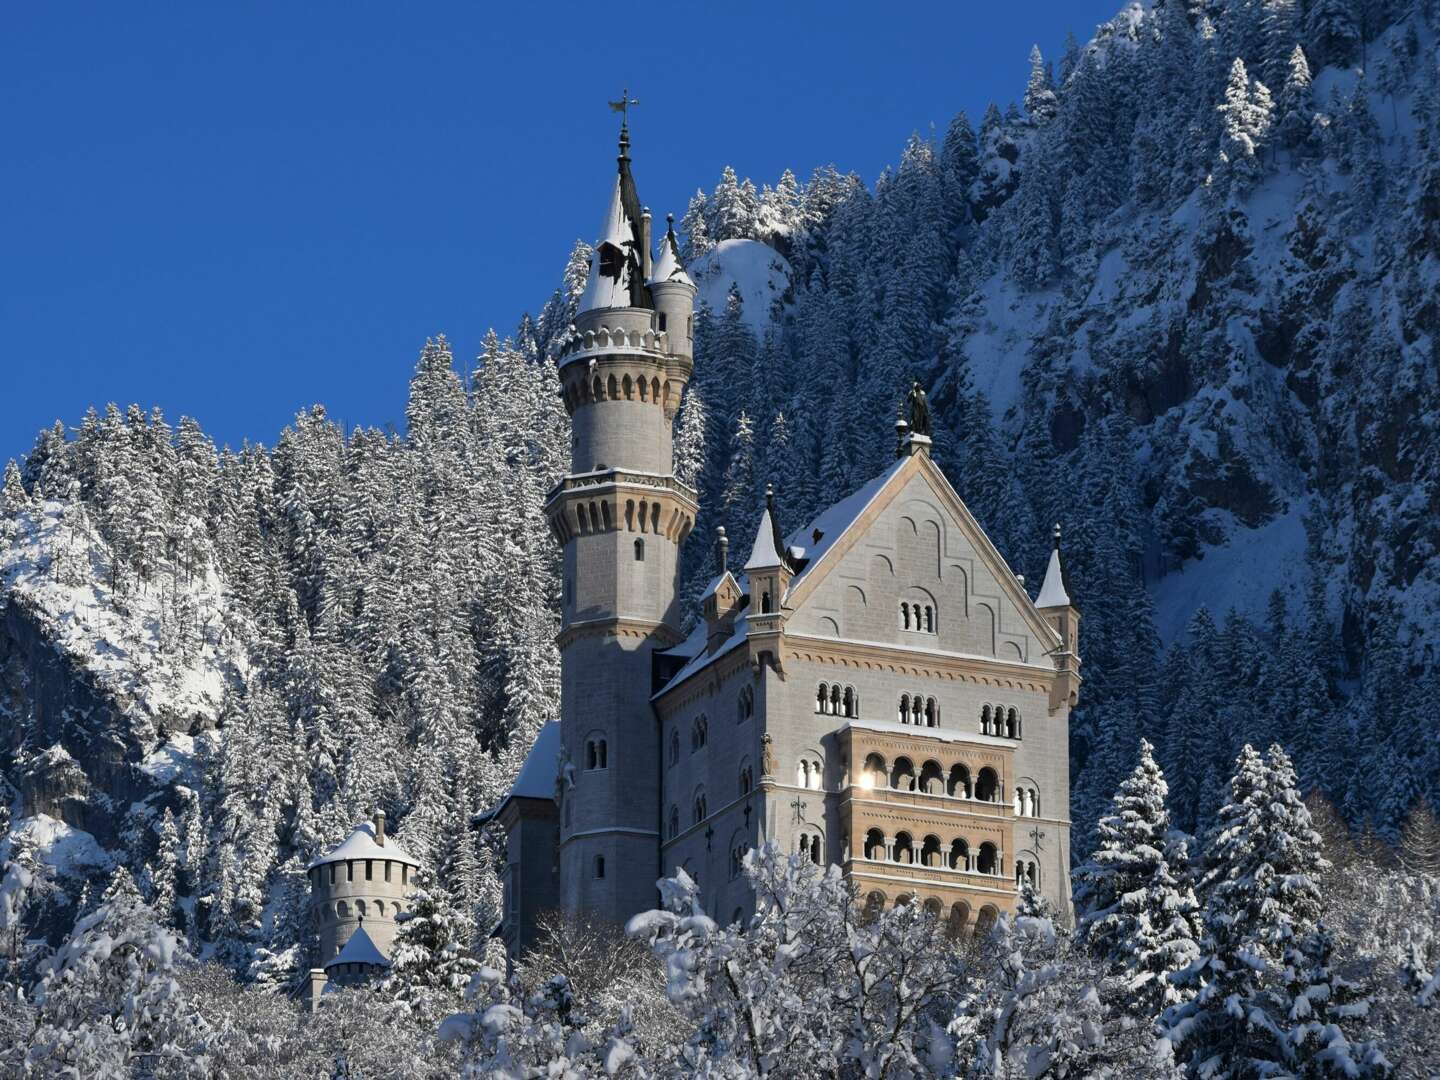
pixel 1041 103
pixel 430 961
pixel 1137 912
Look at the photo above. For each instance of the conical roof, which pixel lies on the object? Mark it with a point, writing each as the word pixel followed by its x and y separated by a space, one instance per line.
pixel 765 553
pixel 361 844
pixel 668 266
pixel 360 950
pixel 1053 592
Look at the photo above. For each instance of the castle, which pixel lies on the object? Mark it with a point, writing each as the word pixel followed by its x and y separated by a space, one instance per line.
pixel 877 690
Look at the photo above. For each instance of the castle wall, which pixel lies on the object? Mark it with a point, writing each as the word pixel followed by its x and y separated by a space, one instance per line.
pixel 342 893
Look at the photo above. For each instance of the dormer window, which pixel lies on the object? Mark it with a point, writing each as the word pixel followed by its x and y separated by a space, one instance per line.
pixel 610 261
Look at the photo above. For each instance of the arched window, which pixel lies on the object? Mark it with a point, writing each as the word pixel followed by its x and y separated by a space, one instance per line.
pixel 874 844
pixel 987 785
pixel 874 905
pixel 599 866
pixel 988 861
pixel 596 754
pixel 850 703
pixel 875 775
pixel 958 785
pixel 747 779
pixel 904 849
pixel 822 698
pixel 745 706
pixel 959 855
pixel 932 780
pixel 917 710
pixel 699 808
pixel 674 821
pixel 902 777
pixel 815 854
pixel 904 708
pixel 904 615
pixel 836 709
pixel 930 851
pixel 699 734
pixel 932 713
pixel 929 619
pixel 985 720
pixel 674 747
pixel 639 550
pixel 765 602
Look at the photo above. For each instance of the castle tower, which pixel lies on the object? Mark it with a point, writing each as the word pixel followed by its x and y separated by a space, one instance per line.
pixel 1060 612
pixel 356 891
pixel 620 515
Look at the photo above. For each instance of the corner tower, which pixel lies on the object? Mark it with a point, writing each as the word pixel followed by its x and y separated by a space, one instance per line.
pixel 620 516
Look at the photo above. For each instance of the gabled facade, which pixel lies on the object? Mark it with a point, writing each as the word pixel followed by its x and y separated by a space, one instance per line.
pixel 876 691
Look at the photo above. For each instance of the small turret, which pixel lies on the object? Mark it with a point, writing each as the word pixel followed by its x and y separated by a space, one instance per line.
pixel 768 569
pixel 674 295
pixel 1060 612
pixel 721 598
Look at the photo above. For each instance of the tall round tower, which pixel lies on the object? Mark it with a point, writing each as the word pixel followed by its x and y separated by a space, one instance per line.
pixel 620 516
pixel 365 879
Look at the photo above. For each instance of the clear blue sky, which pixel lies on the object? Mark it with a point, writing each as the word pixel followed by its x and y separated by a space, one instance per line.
pixel 235 210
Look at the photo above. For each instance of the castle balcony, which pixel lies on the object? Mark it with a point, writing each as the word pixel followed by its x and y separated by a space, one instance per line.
pixel 927 817
pixel 612 500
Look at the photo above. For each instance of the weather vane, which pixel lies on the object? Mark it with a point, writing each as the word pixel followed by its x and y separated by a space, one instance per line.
pixel 623 106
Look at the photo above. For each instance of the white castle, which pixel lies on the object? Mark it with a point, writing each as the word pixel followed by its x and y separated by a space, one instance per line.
pixel 877 690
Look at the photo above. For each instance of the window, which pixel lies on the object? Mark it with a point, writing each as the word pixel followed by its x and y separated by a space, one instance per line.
pixel 699 734
pixel 674 822
pixel 837 700
pixel 639 550
pixel 597 755
pixel 599 866
pixel 745 706
pixel 917 616
pixel 747 779
pixel 699 808
pixel 1000 720
pixel 610 261
pixel 369 869
pixel 674 748
pixel 662 322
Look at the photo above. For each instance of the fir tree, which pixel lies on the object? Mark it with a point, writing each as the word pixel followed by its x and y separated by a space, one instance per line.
pixel 430 961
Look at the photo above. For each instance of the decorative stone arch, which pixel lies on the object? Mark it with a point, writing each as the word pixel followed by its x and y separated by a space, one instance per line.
pixel 1011 650
pixel 932 778
pixel 986 919
pixel 934 908
pixel 1027 797
pixel 931 851
pixel 985 623
pixel 987 785
pixel 957 923
pixel 958 784
pixel 876 771
pixel 827 625
pixel 958 857
pixel 987 859
pixel 881 566
pixel 902 774
pixel 612 387
pixel 919 612
pixel 874 905
pixel 1027 869
pixel 874 845
pixel 902 850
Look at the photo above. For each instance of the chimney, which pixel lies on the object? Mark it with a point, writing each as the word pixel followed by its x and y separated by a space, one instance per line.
pixel 380 827
pixel 645 253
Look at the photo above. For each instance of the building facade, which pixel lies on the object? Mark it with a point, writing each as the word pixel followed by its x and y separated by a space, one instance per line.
pixel 877 690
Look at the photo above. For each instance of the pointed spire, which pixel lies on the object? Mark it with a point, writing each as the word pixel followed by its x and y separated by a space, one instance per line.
pixel 766 552
pixel 1053 592
pixel 722 549
pixel 668 266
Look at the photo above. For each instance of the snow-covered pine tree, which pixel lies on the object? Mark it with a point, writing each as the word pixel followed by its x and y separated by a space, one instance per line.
pixel 430 961
pixel 1137 913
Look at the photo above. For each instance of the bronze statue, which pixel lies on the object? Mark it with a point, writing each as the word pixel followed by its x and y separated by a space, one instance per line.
pixel 919 411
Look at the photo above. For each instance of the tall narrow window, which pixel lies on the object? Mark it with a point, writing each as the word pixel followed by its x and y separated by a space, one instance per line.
pixel 599 866
pixel 639 550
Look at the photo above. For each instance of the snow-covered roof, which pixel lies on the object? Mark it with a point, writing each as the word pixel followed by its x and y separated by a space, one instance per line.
pixel 835 520
pixel 360 950
pixel 361 844
pixel 716 582
pixel 667 265
pixel 1052 592
pixel 764 554
pixel 694 647
pixel 536 779
pixel 617 230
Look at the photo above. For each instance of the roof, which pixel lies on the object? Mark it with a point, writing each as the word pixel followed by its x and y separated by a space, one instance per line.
pixel 360 950
pixel 617 230
pixel 1052 592
pixel 361 844
pixel 764 554
pixel 694 648
pixel 536 779
pixel 668 266
pixel 835 520
pixel 716 582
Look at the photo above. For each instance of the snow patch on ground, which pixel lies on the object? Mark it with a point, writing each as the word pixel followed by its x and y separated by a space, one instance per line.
pixel 999 347
pixel 174 762
pixel 66 849
pixel 762 274
pixel 1237 576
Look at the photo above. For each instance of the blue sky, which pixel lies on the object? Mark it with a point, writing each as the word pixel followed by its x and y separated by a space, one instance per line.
pixel 236 210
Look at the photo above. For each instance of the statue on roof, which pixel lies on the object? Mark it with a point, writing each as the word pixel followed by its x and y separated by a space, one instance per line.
pixel 919 411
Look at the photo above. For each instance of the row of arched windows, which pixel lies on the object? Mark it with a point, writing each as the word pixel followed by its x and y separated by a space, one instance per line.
pixel 957 923
pixel 919 710
pixel 343 909
pixel 625 388
pixel 932 779
pixel 917 617
pixel 832 699
pixel 931 851
pixel 649 520
pixel 1000 720
pixel 597 754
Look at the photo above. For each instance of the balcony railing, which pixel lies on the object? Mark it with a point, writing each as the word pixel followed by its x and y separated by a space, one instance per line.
pixel 924 800
pixel 939 875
